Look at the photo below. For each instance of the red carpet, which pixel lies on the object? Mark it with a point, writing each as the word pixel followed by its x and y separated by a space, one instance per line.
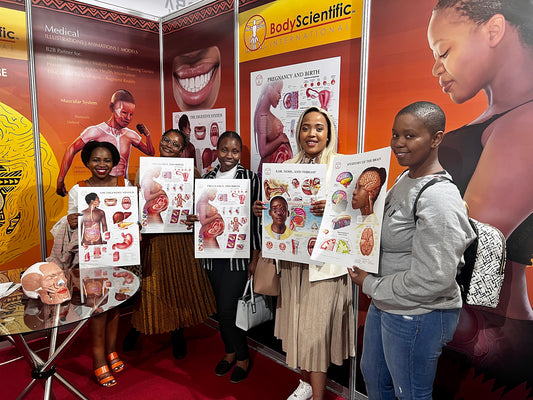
pixel 151 372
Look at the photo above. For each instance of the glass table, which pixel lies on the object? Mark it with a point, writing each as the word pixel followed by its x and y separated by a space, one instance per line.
pixel 93 291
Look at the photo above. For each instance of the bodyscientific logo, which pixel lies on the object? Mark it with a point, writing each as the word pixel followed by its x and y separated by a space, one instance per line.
pixel 285 25
pixel 302 21
pixel 254 32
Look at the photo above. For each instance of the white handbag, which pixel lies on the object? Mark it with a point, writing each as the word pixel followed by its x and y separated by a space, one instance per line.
pixel 252 309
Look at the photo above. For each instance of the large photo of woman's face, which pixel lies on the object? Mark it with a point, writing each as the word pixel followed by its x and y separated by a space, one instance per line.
pixel 474 58
pixel 196 78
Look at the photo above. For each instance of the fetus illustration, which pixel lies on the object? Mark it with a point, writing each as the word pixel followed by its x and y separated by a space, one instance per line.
pixel 210 219
pixel 45 281
pixel 154 195
pixel 179 200
pixel 235 224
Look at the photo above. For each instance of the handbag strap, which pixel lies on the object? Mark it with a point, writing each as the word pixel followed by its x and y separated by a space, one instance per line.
pixel 249 285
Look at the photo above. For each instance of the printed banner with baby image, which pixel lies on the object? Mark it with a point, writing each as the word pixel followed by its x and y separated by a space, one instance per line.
pixel 166 195
pixel 350 232
pixel 109 233
pixel 289 228
pixel 223 209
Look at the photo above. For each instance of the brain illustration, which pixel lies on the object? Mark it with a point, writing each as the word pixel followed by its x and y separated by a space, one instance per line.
pixel 370 180
pixel 366 245
pixel 345 178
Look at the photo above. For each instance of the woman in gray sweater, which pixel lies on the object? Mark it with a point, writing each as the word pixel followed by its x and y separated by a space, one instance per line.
pixel 415 298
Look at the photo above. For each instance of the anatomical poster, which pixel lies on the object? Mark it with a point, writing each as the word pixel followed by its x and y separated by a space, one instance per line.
pixel 203 128
pixel 107 287
pixel 289 228
pixel 166 193
pixel 108 229
pixel 350 232
pixel 223 209
pixel 278 97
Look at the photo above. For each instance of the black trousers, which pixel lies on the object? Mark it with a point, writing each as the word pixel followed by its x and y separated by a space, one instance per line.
pixel 228 286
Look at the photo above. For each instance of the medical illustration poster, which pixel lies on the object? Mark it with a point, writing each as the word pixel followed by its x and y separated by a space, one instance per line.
pixel 278 97
pixel 203 128
pixel 96 80
pixel 350 232
pixel 107 287
pixel 223 209
pixel 166 193
pixel 289 228
pixel 199 61
pixel 108 229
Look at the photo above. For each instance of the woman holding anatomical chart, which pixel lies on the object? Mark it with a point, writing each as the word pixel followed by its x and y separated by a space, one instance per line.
pixel 175 290
pixel 314 317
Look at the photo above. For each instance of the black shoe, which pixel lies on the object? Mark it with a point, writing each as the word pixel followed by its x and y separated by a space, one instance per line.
pixel 179 345
pixel 240 374
pixel 130 340
pixel 223 367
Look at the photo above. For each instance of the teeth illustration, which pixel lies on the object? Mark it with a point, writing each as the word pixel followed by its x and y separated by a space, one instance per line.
pixel 197 83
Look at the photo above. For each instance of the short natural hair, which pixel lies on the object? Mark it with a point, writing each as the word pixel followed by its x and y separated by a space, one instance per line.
pixel 89 147
pixel 430 114
pixel 90 197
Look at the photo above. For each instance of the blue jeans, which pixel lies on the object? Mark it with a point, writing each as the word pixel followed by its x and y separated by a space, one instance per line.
pixel 400 352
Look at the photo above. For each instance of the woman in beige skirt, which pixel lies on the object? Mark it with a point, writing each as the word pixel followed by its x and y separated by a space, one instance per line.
pixel 314 317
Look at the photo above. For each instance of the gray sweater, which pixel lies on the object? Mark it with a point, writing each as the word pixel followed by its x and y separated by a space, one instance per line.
pixel 418 263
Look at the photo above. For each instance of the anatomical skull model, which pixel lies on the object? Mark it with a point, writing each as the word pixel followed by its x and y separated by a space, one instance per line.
pixel 47 281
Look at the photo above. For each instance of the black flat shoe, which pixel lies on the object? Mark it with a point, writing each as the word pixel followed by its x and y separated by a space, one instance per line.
pixel 240 374
pixel 179 345
pixel 223 367
pixel 130 340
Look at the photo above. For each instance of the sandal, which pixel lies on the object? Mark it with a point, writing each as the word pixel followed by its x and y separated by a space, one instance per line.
pixel 115 362
pixel 107 381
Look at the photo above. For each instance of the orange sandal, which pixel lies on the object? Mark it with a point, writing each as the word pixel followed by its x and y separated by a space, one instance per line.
pixel 108 381
pixel 115 362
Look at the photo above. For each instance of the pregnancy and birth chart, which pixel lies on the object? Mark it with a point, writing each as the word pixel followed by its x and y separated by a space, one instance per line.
pixel 166 193
pixel 223 209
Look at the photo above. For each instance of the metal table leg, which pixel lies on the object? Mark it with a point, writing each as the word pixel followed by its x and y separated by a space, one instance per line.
pixel 46 369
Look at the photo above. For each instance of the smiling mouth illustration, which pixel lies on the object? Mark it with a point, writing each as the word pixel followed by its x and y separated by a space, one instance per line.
pixel 196 83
